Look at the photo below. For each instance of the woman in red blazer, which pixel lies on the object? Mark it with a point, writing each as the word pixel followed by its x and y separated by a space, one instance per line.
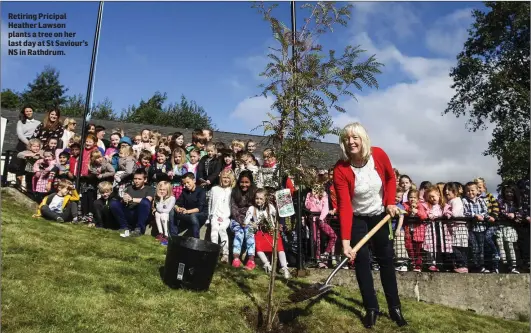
pixel 365 186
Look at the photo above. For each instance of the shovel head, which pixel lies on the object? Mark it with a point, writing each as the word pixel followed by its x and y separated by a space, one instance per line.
pixel 310 292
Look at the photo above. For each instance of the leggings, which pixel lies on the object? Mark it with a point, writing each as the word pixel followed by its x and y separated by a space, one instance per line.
pixel 319 226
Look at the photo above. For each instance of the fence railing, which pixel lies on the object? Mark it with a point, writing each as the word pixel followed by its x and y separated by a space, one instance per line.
pixel 439 245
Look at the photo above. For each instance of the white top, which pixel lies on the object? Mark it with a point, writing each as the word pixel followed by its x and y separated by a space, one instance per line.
pixel 165 206
pixel 57 204
pixel 219 202
pixel 66 137
pixel 368 190
pixel 255 214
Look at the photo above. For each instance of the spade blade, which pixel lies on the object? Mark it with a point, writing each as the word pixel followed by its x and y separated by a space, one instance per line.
pixel 309 292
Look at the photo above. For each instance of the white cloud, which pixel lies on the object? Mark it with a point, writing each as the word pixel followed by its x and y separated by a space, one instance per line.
pixel 405 118
pixel 251 112
pixel 449 33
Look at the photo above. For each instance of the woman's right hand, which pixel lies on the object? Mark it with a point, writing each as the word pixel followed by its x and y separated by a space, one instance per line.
pixel 347 250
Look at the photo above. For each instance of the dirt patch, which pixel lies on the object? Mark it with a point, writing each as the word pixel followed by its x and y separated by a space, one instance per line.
pixel 285 320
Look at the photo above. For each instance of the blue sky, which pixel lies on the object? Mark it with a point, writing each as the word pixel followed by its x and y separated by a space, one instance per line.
pixel 212 53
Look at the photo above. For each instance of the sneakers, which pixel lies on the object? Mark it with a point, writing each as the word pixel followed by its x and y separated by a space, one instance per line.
pixel 514 271
pixel 59 219
pixel 267 268
pixel 433 268
pixel 495 271
pixel 461 270
pixel 375 267
pixel 75 220
pixel 236 263
pixel 225 259
pixel 417 269
pixel 402 268
pixel 322 265
pixel 91 225
pixel 136 232
pixel 164 241
pixel 125 233
pixel 250 265
pixel 285 272
pixel 159 237
pixel 483 270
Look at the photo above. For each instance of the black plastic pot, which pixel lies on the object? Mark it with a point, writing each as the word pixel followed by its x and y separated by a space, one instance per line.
pixel 190 263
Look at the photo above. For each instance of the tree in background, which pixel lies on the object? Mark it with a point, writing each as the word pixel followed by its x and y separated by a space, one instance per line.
pixel 46 91
pixel 10 99
pixel 305 85
pixel 492 83
pixel 186 114
pixel 75 107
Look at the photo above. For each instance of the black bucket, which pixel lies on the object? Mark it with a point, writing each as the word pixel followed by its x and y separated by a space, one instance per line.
pixel 190 263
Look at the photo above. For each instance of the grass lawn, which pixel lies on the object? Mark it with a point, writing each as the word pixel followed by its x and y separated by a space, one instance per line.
pixel 69 278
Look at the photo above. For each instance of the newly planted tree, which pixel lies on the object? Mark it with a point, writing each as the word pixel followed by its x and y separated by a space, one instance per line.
pixel 306 83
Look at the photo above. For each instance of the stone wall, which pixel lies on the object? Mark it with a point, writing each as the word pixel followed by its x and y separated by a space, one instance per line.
pixel 497 295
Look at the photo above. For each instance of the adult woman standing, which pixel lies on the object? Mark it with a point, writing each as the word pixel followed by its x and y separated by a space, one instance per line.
pixel 50 127
pixel 365 184
pixel 26 126
pixel 69 127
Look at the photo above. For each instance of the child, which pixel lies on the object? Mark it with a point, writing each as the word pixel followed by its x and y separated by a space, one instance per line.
pixel 317 202
pixel 476 207
pixel 99 167
pixel 490 233
pixel 44 176
pixel 431 210
pixel 178 171
pixel 144 160
pixel 237 146
pixel 422 188
pixel 31 155
pixel 263 216
pixel 228 160
pixel 163 205
pixel 137 140
pixel 113 146
pixel 177 140
pixel 399 242
pixel 159 169
pixel 208 134
pixel 60 206
pixel 101 209
pixel 250 147
pixel 62 168
pixel 209 168
pixel 192 165
pixel 511 210
pixel 459 230
pixel 414 237
pixel 269 172
pixel 126 168
pixel 248 162
pixel 219 211
pixel 198 144
pixel 405 183
pixel 153 143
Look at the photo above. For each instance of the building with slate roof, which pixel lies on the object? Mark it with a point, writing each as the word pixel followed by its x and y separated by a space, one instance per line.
pixel 331 151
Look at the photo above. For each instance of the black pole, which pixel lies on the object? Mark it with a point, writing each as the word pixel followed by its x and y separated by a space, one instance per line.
pixel 88 97
pixel 296 121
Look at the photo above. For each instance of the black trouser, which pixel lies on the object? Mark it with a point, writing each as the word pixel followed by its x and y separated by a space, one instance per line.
pixel 460 256
pixel 476 242
pixel 102 215
pixel 68 214
pixel 384 253
pixel 87 201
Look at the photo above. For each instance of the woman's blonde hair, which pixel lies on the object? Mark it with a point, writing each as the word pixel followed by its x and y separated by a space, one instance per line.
pixel 228 173
pixel 67 122
pixel 167 185
pixel 355 129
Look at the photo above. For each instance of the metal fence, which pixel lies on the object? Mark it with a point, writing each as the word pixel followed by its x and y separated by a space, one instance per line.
pixel 440 245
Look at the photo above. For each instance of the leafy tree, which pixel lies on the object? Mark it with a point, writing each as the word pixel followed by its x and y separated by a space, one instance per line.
pixel 186 114
pixel 74 106
pixel 103 110
pixel 306 84
pixel 492 83
pixel 46 91
pixel 10 99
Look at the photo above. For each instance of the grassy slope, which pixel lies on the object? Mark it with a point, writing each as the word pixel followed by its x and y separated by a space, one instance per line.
pixel 66 278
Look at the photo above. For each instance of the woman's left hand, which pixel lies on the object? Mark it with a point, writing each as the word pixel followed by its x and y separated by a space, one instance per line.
pixel 392 210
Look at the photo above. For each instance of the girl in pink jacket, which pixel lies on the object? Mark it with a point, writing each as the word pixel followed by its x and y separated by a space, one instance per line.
pixel 317 202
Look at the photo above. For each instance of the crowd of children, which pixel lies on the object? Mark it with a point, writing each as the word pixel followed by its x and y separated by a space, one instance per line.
pixel 159 180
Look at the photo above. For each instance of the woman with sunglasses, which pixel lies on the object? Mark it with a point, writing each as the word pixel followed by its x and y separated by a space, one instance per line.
pixel 69 126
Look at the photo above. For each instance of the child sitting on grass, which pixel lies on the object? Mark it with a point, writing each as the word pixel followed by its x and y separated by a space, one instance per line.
pixel 163 205
pixel 60 206
pixel 101 208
